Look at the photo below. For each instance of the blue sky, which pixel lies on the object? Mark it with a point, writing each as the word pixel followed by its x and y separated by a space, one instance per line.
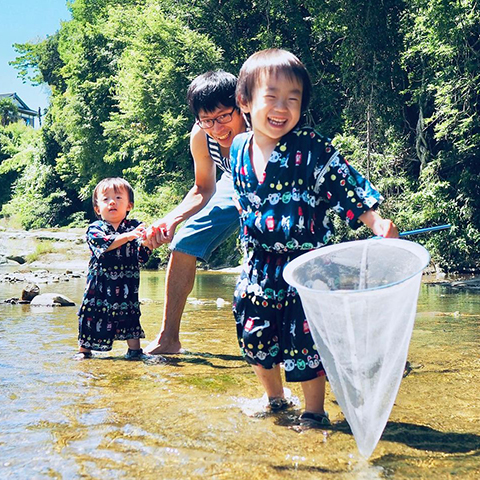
pixel 26 21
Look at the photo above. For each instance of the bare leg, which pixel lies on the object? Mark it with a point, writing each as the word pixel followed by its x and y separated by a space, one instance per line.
pixel 314 393
pixel 178 285
pixel 133 344
pixel 271 380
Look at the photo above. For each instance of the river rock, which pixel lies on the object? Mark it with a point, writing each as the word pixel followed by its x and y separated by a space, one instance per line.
pixel 38 276
pixel 30 291
pixel 21 259
pixel 16 301
pixel 52 300
pixel 13 300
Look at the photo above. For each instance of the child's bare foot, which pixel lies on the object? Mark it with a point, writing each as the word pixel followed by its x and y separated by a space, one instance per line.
pixel 163 345
pixel 83 355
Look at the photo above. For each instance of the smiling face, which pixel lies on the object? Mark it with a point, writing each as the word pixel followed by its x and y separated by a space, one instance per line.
pixel 223 133
pixel 112 205
pixel 275 107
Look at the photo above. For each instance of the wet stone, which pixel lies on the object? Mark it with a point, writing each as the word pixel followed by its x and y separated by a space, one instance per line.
pixel 30 291
pixel 21 259
pixel 52 299
pixel 13 300
pixel 16 301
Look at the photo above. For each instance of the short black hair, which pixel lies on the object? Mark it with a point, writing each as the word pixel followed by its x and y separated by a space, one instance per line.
pixel 272 61
pixel 211 90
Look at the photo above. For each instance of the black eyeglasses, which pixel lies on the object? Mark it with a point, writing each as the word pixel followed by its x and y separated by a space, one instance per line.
pixel 210 122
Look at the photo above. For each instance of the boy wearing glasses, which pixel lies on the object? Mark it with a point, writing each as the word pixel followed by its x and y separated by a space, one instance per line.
pixel 208 206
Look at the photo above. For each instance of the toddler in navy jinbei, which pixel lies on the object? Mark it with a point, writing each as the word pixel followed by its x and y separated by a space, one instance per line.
pixel 110 308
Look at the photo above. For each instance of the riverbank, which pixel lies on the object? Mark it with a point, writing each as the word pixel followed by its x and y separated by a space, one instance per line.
pixel 52 255
pixel 59 249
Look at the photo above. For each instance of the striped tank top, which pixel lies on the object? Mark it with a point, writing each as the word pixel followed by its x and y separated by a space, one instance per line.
pixel 223 163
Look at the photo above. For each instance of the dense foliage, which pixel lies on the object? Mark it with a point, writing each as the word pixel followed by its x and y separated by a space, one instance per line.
pixel 8 111
pixel 395 85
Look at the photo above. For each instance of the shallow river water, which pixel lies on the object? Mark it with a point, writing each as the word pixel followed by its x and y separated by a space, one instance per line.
pixel 200 414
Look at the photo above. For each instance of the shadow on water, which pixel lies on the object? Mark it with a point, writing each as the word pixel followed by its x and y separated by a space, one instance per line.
pixel 419 437
pixel 202 358
pixel 306 468
pixel 184 359
pixel 422 437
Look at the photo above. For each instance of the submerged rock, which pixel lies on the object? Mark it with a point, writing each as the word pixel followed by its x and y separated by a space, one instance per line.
pixel 13 300
pixel 16 301
pixel 52 300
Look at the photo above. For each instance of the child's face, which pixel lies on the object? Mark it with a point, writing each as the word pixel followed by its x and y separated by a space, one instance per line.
pixel 223 133
pixel 276 106
pixel 112 205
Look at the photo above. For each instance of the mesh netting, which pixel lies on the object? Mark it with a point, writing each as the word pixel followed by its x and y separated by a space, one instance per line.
pixel 360 300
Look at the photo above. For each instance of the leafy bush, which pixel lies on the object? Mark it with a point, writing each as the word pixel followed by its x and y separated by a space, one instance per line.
pixel 33 204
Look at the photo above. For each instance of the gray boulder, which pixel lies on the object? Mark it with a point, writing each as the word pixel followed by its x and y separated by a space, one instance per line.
pixel 52 300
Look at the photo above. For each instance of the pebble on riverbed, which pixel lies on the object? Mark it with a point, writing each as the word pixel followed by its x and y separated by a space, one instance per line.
pixel 38 276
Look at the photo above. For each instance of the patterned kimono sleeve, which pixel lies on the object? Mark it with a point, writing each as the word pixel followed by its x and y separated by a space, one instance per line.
pixel 366 191
pixel 238 169
pixel 98 239
pixel 143 252
pixel 348 192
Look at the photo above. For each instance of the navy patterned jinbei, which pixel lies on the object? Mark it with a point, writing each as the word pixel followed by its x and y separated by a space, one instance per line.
pixel 110 308
pixel 284 215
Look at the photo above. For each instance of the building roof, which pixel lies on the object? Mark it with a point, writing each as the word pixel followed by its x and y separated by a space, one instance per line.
pixel 22 106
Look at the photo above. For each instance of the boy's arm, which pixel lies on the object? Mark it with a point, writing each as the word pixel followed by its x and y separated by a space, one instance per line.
pixel 201 192
pixel 123 238
pixel 381 227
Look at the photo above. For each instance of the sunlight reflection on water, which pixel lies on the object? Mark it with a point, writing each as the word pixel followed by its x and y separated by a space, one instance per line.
pixel 190 415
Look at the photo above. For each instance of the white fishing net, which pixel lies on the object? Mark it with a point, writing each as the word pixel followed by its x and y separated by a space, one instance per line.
pixel 360 300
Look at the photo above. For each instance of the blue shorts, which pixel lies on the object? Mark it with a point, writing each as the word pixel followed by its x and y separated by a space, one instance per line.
pixel 212 225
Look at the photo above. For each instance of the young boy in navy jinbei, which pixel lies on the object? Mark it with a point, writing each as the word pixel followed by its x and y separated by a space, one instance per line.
pixel 110 308
pixel 286 179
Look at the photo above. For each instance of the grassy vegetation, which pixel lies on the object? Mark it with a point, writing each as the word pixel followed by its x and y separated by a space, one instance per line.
pixel 42 248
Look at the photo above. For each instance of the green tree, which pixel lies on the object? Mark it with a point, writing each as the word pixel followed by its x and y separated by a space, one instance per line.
pixel 18 145
pixel 149 131
pixel 442 58
pixel 8 111
pixel 40 63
